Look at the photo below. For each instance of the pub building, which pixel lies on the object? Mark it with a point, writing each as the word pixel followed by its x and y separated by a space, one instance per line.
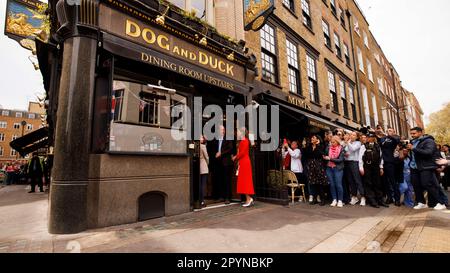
pixel 113 71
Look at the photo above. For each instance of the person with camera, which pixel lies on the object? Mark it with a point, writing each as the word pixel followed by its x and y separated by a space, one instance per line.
pixel 351 170
pixel 388 146
pixel 371 169
pixel 423 167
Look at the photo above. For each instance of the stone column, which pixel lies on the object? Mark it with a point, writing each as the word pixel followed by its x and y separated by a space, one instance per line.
pixel 68 195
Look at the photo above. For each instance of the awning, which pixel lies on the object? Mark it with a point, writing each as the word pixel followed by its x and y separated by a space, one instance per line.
pixel 312 119
pixel 31 142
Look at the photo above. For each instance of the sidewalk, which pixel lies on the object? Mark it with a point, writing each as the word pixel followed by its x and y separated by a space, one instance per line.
pixel 262 228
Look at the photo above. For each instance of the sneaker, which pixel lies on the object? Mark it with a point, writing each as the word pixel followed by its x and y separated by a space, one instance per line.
pixel 318 199
pixel 340 204
pixel 363 202
pixel 354 201
pixel 334 204
pixel 440 207
pixel 311 199
pixel 421 206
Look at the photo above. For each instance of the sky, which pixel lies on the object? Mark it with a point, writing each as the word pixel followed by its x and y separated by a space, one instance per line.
pixel 413 34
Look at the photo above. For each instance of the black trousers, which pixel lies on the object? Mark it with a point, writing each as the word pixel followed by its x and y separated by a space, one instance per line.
pixel 36 180
pixel 425 181
pixel 372 184
pixel 223 182
pixel 202 187
pixel 391 185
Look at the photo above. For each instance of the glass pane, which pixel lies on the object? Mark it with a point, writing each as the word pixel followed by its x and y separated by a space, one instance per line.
pixel 198 6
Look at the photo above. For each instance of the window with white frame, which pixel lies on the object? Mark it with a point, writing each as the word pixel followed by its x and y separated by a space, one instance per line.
pixel 19 114
pixel 268 54
pixel 375 109
pixel 346 55
pixel 31 116
pixel 377 57
pixel 366 105
pixel 326 33
pixel 369 70
pixel 360 59
pixel 333 95
pixel 342 17
pixel 5 113
pixel 312 79
pixel 2 137
pixel 380 85
pixel 14 137
pixel 366 39
pixel 337 45
pixel 351 96
pixel 16 126
pixel 293 70
pixel 289 4
pixel 306 13
pixel 29 127
pixel 13 152
pixel 1 151
pixel 343 97
pixel 200 8
pixel 333 7
pixel 3 124
pixel 357 30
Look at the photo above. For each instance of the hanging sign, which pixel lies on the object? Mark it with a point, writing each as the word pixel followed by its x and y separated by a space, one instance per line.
pixel 25 21
pixel 256 13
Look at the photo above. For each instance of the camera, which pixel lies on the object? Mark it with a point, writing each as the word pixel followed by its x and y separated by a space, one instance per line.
pixel 404 144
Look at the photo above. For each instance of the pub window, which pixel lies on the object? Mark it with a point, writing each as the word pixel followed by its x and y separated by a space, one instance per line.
pixel 351 96
pixel 312 79
pixel 293 71
pixel 5 113
pixel 337 45
pixel 333 7
pixel 333 95
pixel 2 137
pixel 143 118
pixel 326 33
pixel 346 55
pixel 3 124
pixel 343 97
pixel 268 54
pixel 306 14
pixel 289 4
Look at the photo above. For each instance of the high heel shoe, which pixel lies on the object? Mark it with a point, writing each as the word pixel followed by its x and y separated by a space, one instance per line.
pixel 248 204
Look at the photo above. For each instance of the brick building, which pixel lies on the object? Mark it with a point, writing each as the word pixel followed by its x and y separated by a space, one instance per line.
pixel 14 124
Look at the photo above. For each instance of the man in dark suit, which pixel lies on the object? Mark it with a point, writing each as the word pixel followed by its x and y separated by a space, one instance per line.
pixel 224 165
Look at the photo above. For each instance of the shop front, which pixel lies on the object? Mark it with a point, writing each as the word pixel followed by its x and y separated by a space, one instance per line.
pixel 124 72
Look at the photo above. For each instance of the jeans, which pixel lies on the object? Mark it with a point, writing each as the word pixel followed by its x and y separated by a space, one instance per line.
pixel 391 187
pixel 407 189
pixel 335 177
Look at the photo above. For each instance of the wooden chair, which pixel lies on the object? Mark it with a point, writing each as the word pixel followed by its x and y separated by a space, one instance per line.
pixel 292 183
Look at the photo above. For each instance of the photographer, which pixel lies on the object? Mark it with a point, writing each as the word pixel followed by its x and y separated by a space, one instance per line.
pixel 388 145
pixel 423 166
pixel 406 187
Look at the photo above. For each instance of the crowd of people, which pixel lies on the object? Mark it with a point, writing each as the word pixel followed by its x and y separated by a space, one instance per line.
pixel 35 171
pixel 371 167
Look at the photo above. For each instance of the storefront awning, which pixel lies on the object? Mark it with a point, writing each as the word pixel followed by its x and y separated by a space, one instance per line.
pixel 31 142
pixel 312 119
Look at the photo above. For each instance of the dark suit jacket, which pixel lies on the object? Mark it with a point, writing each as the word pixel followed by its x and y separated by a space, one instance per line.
pixel 226 152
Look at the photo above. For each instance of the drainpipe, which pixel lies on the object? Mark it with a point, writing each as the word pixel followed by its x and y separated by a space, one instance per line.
pixel 355 67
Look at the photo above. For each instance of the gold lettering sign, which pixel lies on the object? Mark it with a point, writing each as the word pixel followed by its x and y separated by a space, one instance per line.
pixel 152 37
pixel 319 125
pixel 298 102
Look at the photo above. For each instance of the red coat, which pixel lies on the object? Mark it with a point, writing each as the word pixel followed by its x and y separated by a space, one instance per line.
pixel 245 177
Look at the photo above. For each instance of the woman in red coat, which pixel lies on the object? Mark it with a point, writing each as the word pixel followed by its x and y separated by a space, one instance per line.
pixel 245 177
